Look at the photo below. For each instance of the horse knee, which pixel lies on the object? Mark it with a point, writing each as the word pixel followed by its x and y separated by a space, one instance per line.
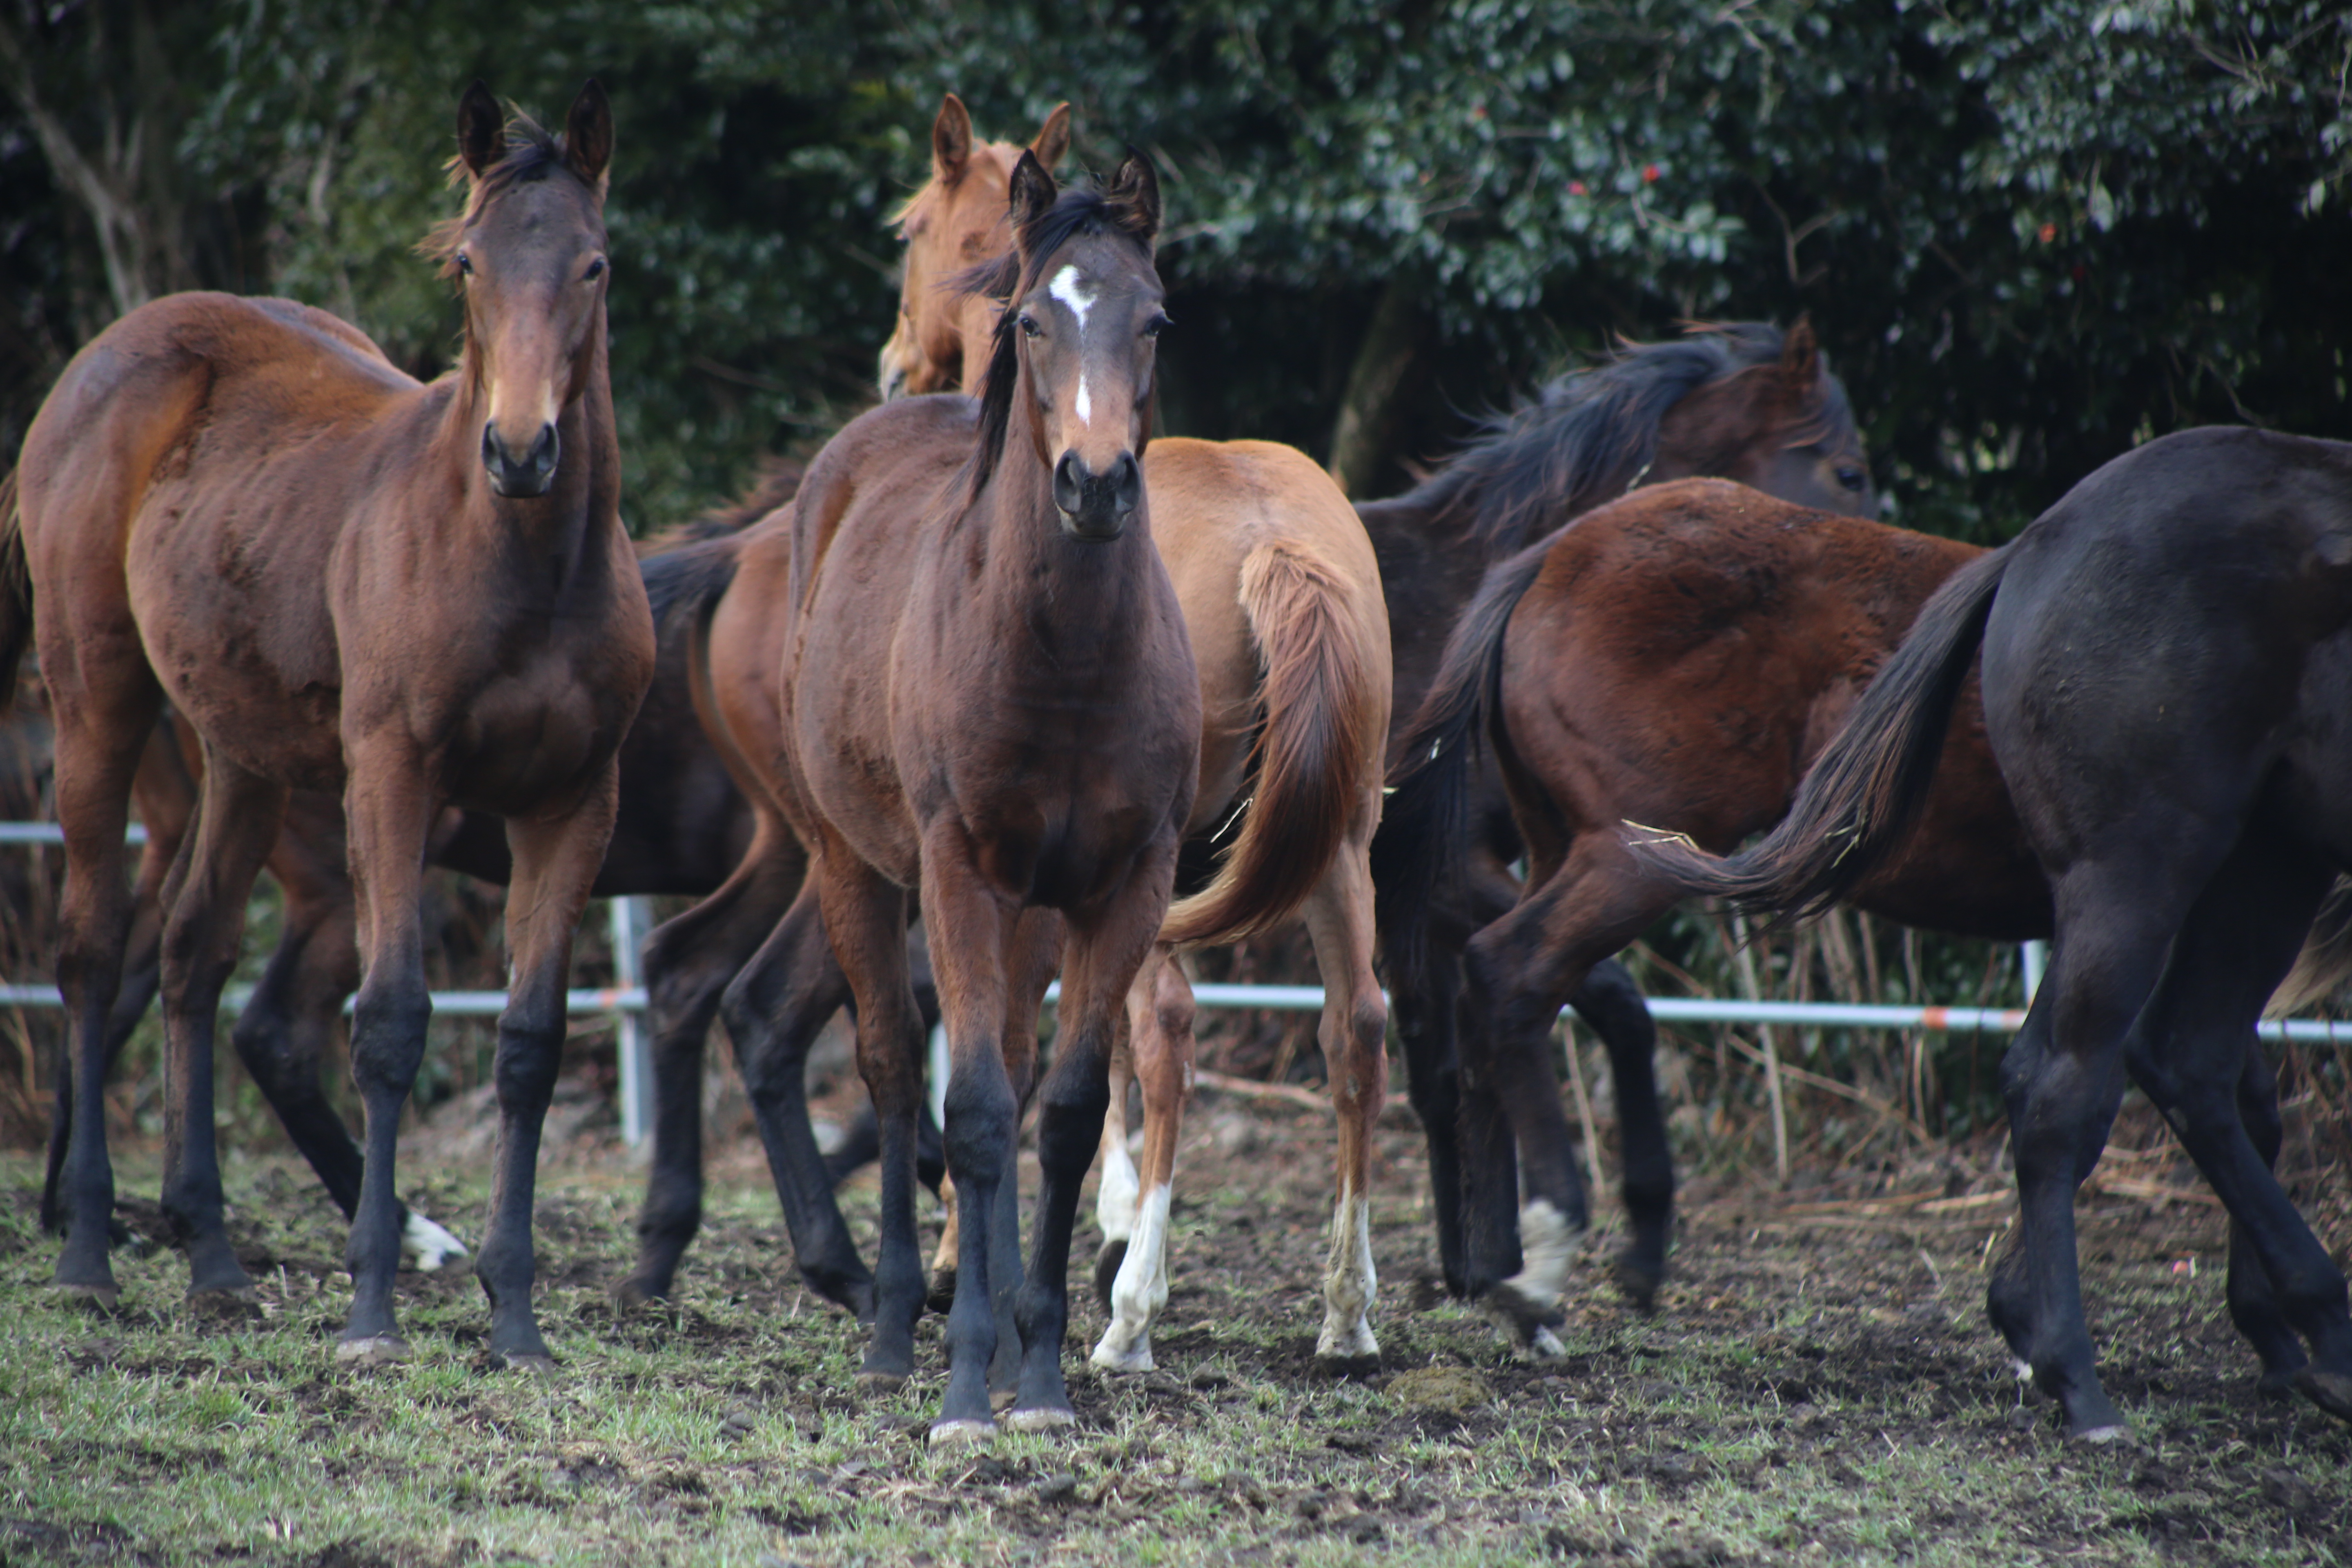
pixel 388 1039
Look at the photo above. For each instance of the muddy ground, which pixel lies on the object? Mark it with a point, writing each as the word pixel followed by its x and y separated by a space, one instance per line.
pixel 1819 1384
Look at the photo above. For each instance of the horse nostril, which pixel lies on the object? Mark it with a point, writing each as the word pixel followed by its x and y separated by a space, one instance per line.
pixel 1130 483
pixel 1069 484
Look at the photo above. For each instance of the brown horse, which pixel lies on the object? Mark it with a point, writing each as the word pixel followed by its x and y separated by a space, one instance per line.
pixel 1744 402
pixel 1281 597
pixel 681 826
pixel 956 667
pixel 418 595
pixel 1676 658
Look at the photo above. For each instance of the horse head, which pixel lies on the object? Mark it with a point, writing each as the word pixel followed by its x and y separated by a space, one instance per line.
pixel 956 221
pixel 1782 427
pixel 529 253
pixel 1074 350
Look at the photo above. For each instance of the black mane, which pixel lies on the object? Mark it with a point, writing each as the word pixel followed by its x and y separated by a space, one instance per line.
pixel 1590 435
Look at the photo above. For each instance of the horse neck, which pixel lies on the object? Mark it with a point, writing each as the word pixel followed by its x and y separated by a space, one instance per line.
pixel 554 538
pixel 1051 601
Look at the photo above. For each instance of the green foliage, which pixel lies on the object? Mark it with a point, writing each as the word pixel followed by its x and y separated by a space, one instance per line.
pixel 2031 233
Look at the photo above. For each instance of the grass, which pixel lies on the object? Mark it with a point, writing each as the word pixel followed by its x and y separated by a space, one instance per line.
pixel 1819 1386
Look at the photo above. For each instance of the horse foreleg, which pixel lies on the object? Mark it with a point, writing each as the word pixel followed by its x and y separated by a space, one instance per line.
pixel 237 821
pixel 1159 1051
pixel 1354 1036
pixel 1611 1003
pixel 389 812
pixel 1103 954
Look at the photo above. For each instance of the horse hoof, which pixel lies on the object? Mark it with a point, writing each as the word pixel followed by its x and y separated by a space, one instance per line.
pixel 1347 1351
pixel 1044 1419
pixel 103 1301
pixel 2331 1391
pixel 1106 1265
pixel 1137 1358
pixel 372 1349
pixel 633 1295
pixel 1639 1283
pixel 530 1363
pixel 2110 1433
pixel 880 1384
pixel 963 1433
pixel 941 1294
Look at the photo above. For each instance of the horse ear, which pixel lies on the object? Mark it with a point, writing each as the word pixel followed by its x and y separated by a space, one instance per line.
pixel 588 135
pixel 1032 191
pixel 950 141
pixel 1134 197
pixel 1800 357
pixel 481 130
pixel 1052 143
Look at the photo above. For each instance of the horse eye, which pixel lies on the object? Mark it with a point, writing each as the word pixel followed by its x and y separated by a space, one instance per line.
pixel 1029 324
pixel 465 265
pixel 595 271
pixel 1152 328
pixel 1850 477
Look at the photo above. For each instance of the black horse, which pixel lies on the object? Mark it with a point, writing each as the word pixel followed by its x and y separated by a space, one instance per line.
pixel 2167 689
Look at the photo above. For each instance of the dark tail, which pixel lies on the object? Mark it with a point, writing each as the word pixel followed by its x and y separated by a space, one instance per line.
pixel 1417 858
pixel 15 592
pixel 1861 796
pixel 1319 743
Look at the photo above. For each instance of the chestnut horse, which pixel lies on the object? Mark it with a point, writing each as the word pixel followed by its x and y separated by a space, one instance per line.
pixel 417 595
pixel 2166 668
pixel 1675 659
pixel 956 667
pixel 1281 596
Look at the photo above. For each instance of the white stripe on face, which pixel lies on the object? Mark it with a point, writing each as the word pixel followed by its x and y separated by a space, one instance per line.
pixel 1066 289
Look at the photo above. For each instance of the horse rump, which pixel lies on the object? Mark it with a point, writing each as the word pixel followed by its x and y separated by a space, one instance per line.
pixel 1864 792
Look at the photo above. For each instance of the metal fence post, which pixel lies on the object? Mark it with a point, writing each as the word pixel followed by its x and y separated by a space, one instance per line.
pixel 2035 957
pixel 629 917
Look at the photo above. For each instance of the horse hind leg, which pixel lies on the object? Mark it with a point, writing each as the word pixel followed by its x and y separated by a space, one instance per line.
pixel 1119 1185
pixel 237 818
pixel 2254 1303
pixel 1159 1014
pixel 1354 1036
pixel 689 961
pixel 2187 1049
pixel 104 713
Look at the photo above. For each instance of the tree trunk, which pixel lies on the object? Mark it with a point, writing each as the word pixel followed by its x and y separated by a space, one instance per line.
pixel 1368 409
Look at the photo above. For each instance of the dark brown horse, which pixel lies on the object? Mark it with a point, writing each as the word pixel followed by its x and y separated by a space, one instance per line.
pixel 419 595
pixel 2166 670
pixel 1281 601
pixel 1675 659
pixel 1741 402
pixel 956 667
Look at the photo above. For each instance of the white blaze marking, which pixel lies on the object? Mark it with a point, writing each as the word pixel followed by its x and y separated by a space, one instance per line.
pixel 1066 289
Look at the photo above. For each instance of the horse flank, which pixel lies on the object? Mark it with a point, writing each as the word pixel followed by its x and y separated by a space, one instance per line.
pixel 1861 796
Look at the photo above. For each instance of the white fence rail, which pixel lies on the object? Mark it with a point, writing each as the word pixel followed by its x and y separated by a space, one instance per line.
pixel 627 1002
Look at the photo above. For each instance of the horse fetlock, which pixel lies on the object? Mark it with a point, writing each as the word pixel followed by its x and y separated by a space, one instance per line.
pixel 1549 1244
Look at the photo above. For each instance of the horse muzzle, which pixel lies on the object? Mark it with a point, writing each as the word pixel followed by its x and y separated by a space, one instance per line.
pixel 520 478
pixel 1097 507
